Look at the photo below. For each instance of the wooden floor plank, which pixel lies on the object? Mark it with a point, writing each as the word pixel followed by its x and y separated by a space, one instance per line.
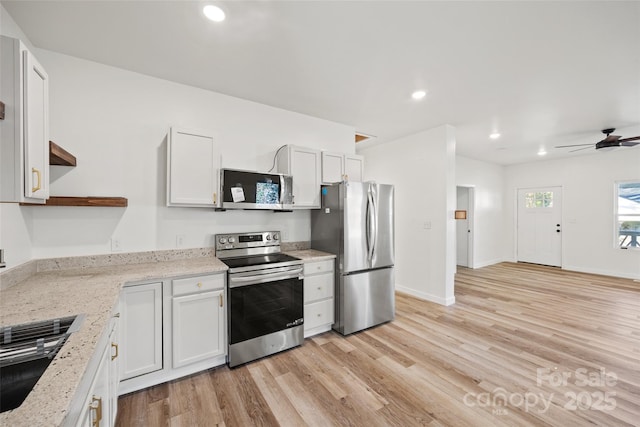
pixel 513 333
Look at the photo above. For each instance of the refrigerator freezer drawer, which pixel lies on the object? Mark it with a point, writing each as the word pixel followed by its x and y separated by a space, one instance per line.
pixel 366 299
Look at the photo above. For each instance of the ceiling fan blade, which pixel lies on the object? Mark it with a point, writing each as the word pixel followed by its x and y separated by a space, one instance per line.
pixel 629 143
pixel 633 138
pixel 611 138
pixel 574 145
pixel 580 149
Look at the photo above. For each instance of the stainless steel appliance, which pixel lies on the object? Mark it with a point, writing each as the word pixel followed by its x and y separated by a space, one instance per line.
pixel 265 294
pixel 356 223
pixel 255 190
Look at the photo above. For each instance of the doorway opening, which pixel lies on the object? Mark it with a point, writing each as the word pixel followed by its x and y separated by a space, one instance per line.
pixel 465 227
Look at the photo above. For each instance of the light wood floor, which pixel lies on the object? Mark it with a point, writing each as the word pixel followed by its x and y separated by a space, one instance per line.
pixel 471 364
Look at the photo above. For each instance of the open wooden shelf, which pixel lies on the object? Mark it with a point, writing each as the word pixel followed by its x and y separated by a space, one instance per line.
pixel 111 202
pixel 59 156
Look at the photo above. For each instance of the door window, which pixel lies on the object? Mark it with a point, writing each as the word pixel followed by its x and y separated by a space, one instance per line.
pixel 540 199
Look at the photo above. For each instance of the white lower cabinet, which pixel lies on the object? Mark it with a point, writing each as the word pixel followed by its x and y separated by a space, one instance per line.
pixel 100 406
pixel 141 329
pixel 198 327
pixel 318 296
pixel 183 322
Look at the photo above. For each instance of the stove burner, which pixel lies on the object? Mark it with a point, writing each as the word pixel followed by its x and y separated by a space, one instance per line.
pixel 255 260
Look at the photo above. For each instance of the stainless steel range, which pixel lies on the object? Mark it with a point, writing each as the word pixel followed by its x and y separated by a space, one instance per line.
pixel 265 292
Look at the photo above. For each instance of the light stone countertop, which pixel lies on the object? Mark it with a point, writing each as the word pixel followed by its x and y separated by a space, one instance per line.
pixel 93 291
pixel 310 255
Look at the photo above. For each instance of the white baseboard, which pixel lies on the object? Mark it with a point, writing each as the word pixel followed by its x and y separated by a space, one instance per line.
pixel 425 296
pixel 481 264
pixel 601 272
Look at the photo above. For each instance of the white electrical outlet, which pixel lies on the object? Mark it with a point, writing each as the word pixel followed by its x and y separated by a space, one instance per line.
pixel 180 238
pixel 115 245
pixel 285 235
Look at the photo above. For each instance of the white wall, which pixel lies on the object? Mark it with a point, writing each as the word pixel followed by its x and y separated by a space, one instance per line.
pixel 115 122
pixel 422 169
pixel 488 225
pixel 587 209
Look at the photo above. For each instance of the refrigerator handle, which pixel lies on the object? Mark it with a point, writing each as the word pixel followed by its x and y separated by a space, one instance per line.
pixel 374 225
pixel 370 226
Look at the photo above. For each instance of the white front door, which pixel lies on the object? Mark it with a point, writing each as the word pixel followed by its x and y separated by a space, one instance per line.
pixel 540 226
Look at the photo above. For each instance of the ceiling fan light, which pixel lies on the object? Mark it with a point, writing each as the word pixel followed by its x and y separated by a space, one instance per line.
pixel 494 135
pixel 214 13
pixel 419 94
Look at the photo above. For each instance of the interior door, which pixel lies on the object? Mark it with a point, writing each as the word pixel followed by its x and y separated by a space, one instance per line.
pixel 540 226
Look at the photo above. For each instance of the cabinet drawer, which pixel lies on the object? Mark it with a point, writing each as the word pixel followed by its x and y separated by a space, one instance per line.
pixel 318 314
pixel 318 287
pixel 198 284
pixel 318 267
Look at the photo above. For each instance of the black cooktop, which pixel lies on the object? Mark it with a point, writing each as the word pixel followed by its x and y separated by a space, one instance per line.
pixel 256 260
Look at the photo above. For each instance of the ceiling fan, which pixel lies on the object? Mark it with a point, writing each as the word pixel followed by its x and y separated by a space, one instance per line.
pixel 610 141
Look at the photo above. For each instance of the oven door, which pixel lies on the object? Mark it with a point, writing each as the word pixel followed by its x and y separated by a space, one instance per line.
pixel 262 303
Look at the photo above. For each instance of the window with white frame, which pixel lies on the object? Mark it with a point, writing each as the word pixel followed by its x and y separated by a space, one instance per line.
pixel 628 214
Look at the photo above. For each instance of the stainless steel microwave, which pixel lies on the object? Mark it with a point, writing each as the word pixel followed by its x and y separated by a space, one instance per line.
pixel 254 190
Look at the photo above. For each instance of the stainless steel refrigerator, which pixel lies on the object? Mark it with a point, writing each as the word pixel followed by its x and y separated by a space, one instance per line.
pixel 356 223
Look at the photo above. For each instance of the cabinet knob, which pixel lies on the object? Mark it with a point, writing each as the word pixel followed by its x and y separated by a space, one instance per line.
pixel 319 288
pixel 199 284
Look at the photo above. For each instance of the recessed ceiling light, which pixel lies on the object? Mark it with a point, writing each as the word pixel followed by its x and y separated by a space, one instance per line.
pixel 214 13
pixel 542 152
pixel 419 94
pixel 494 135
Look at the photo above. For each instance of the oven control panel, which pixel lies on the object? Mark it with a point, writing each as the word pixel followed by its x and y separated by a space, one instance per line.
pixel 247 240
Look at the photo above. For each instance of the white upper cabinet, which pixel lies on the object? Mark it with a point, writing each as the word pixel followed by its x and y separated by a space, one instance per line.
pixel 24 88
pixel 304 164
pixel 337 167
pixel 353 167
pixel 193 169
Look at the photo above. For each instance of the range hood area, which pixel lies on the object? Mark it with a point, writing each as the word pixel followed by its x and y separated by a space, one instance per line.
pixel 241 189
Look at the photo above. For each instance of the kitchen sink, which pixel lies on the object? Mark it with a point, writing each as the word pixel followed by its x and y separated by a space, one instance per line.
pixel 26 351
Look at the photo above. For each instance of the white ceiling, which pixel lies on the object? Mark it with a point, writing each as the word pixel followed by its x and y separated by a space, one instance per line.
pixel 540 73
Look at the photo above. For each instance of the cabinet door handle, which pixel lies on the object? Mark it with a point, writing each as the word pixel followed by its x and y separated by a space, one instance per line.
pixel 96 405
pixel 39 176
pixel 215 198
pixel 221 300
pixel 114 356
